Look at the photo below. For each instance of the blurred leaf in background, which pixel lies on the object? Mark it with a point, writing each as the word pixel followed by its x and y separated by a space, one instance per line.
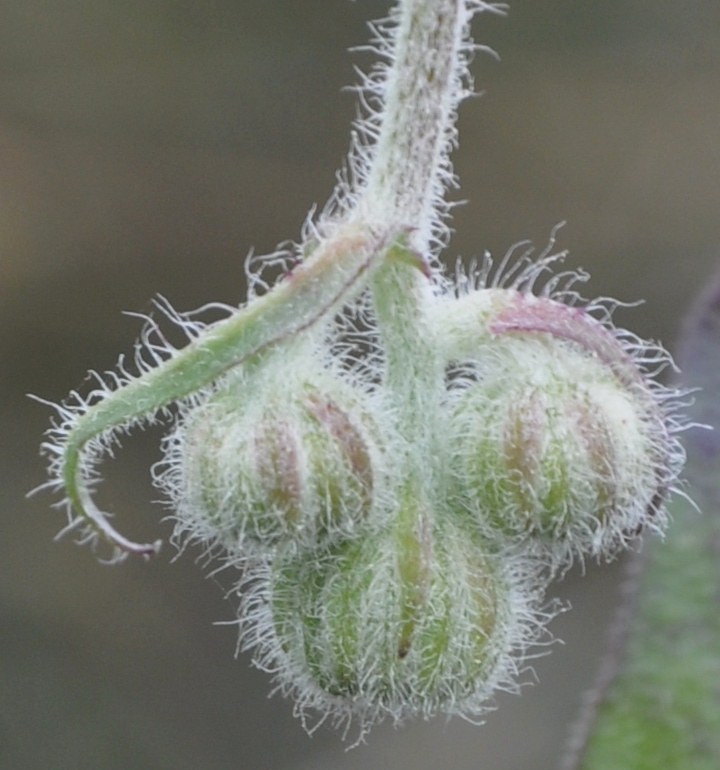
pixel 664 708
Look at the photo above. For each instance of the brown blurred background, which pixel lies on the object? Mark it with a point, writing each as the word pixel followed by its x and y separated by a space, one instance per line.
pixel 146 147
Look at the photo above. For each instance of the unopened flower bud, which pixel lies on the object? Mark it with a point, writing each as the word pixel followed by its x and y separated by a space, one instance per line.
pixel 393 624
pixel 558 436
pixel 295 462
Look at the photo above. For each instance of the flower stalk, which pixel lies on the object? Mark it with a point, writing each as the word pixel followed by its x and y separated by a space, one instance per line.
pixel 410 168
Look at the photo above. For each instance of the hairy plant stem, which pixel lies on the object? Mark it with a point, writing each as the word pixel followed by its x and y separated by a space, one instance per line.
pixel 404 185
pixel 405 179
pixel 403 193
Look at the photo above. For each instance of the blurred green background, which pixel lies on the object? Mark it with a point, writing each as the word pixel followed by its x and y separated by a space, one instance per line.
pixel 147 147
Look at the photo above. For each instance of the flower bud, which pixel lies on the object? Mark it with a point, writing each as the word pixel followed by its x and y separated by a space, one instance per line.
pixel 295 462
pixel 548 442
pixel 394 624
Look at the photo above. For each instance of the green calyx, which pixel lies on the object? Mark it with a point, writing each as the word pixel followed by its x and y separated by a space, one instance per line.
pixel 295 463
pixel 550 447
pixel 391 622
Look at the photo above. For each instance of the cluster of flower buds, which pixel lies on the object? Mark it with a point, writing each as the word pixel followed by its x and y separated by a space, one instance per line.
pixel 398 510
pixel 396 546
pixel 397 463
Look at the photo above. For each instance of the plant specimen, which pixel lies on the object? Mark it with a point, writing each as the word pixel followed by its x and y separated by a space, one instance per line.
pixel 397 460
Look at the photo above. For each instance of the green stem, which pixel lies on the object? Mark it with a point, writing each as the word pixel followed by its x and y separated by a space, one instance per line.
pixel 418 105
pixel 403 192
pixel 413 385
pixel 409 167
